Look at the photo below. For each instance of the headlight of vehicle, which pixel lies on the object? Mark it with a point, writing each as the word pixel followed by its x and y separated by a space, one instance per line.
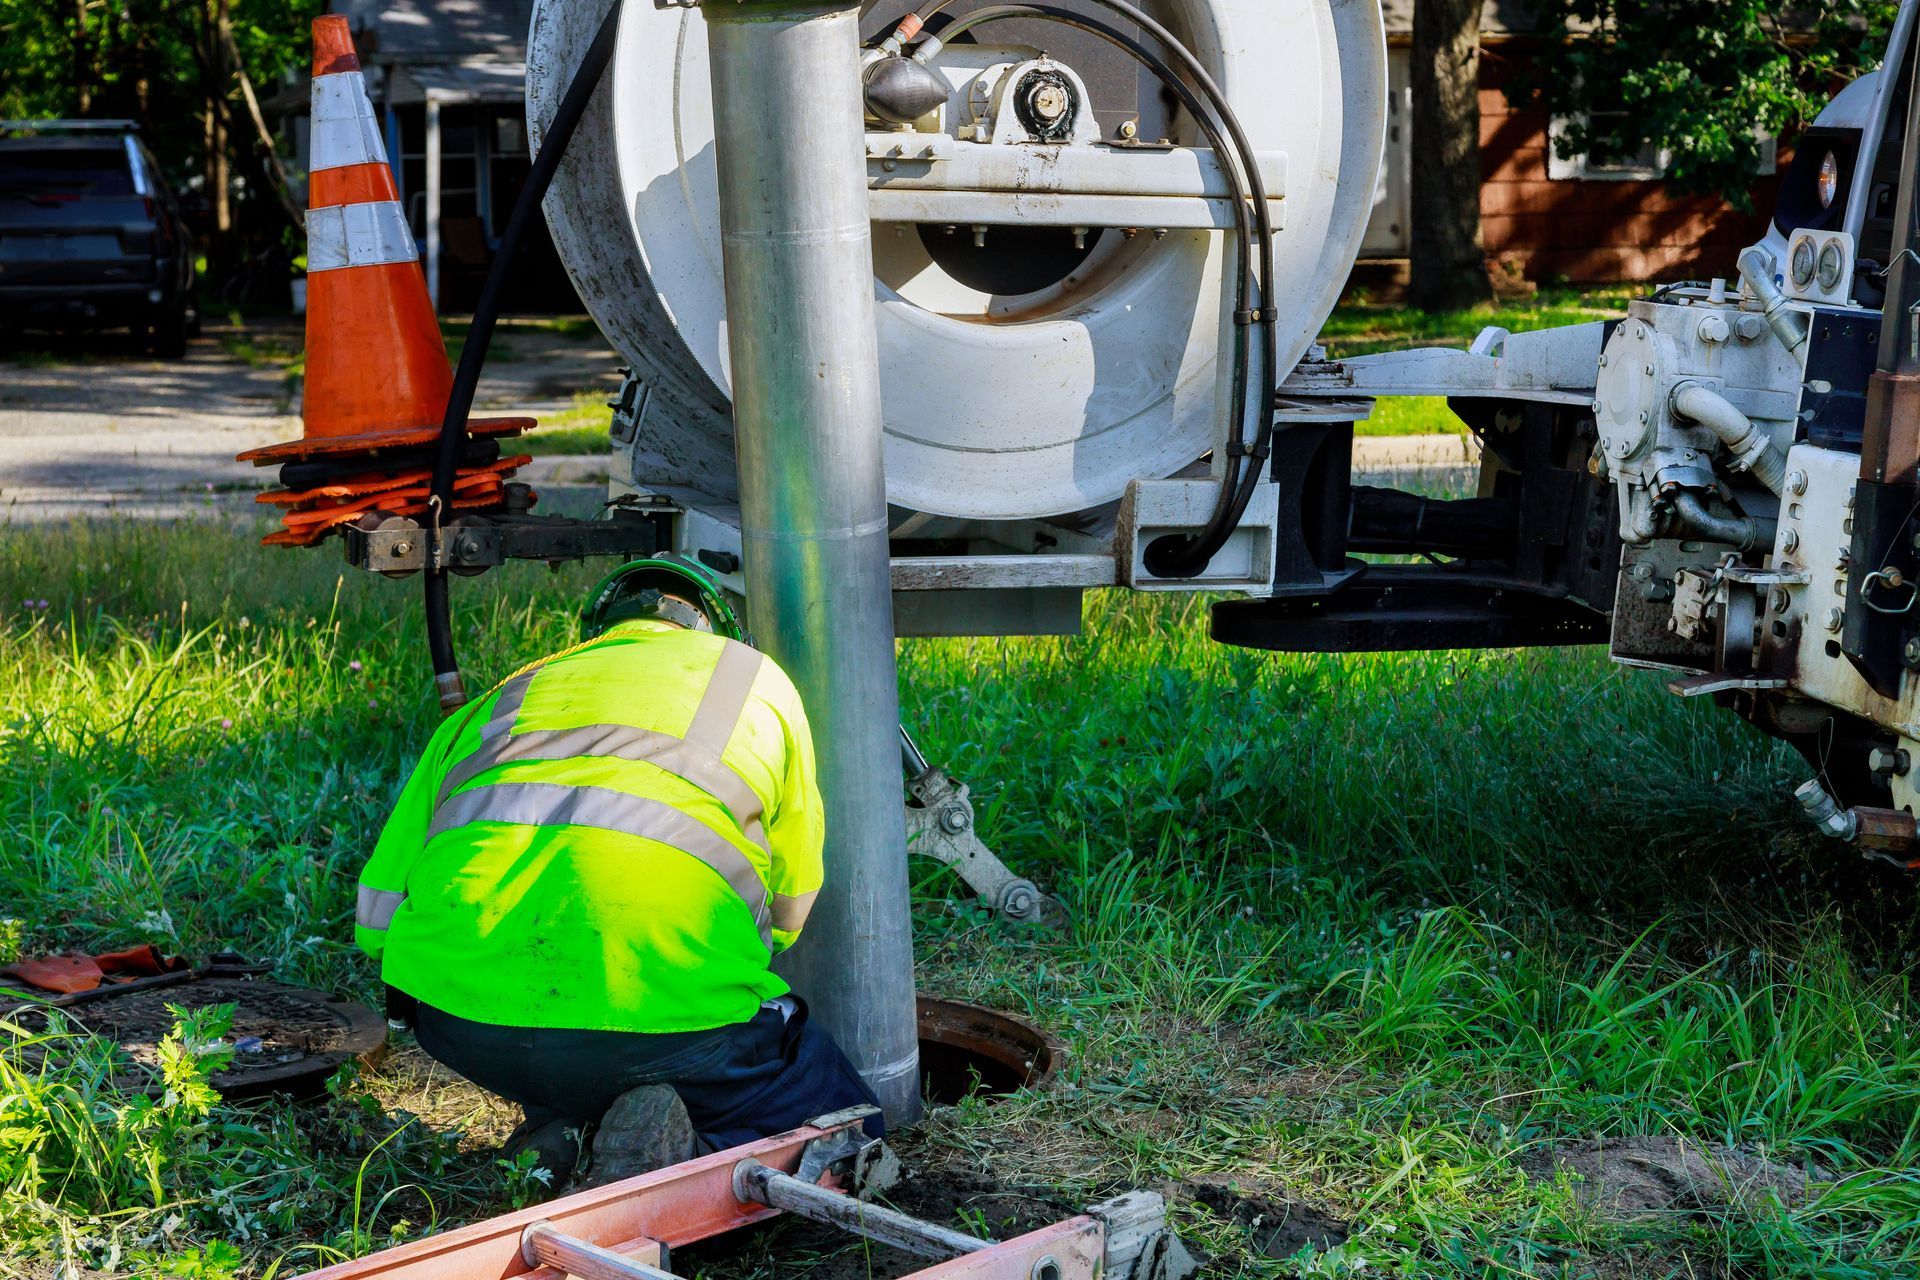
pixel 1828 183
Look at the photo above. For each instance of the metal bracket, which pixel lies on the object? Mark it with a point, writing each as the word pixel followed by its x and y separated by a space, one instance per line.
pixel 864 1165
pixel 1140 1244
pixel 398 546
pixel 940 826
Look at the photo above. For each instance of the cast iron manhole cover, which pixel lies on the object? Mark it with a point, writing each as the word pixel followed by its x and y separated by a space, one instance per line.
pixel 286 1039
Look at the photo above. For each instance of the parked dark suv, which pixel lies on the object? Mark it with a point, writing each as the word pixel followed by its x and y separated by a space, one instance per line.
pixel 90 236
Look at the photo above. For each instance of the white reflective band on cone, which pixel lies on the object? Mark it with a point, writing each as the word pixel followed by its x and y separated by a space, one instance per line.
pixel 358 235
pixel 344 131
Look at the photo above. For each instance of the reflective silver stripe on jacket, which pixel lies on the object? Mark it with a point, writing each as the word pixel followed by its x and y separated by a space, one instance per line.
pixel 554 804
pixel 376 907
pixel 695 759
pixel 621 742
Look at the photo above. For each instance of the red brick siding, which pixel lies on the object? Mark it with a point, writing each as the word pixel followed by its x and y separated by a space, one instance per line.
pixel 1592 231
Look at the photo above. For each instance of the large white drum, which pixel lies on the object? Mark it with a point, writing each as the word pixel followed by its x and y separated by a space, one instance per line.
pixel 1100 369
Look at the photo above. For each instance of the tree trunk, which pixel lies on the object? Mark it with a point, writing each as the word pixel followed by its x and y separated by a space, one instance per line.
pixel 270 155
pixel 82 62
pixel 1449 266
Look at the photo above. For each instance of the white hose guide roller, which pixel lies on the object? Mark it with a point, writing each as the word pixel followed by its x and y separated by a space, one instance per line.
pixel 997 406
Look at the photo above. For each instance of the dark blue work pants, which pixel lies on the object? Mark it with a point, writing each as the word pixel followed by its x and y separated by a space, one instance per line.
pixel 740 1083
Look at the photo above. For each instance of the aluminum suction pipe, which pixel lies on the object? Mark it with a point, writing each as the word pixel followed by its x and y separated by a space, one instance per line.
pixel 1752 448
pixel 790 142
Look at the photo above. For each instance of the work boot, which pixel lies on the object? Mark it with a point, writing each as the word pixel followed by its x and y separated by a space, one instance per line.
pixel 555 1142
pixel 645 1129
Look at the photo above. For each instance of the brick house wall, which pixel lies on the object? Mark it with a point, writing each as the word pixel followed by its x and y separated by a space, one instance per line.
pixel 1590 230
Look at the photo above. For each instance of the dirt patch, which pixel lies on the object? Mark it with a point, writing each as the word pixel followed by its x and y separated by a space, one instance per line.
pixel 929 1188
pixel 1275 1228
pixel 1636 1178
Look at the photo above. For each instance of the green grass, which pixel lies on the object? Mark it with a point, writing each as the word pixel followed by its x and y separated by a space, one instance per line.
pixel 582 429
pixel 1361 327
pixel 1362 932
pixel 1411 416
pixel 264 346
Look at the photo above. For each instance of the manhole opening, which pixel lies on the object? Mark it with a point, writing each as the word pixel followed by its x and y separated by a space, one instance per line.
pixel 965 1049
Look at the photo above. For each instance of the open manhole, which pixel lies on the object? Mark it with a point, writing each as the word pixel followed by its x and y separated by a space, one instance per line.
pixel 966 1049
pixel 286 1039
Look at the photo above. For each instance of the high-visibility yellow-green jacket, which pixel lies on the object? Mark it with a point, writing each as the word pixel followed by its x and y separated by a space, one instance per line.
pixel 616 839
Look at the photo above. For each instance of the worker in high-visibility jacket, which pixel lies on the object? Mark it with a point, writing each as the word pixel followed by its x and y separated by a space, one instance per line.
pixel 583 884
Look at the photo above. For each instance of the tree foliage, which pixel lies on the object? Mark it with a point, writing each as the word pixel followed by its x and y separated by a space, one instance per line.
pixel 181 69
pixel 1702 80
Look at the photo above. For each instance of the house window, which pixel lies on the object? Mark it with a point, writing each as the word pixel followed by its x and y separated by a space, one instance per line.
pixel 1647 165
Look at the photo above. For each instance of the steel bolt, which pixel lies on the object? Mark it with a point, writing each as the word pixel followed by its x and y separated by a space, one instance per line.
pixel 1836 618
pixel 1889 760
pixel 1649 371
pixel 1603 359
pixel 1790 541
pixel 1911 654
pixel 1640 572
pixel 1749 327
pixel 954 818
pixel 1796 483
pixel 1782 599
pixel 401 549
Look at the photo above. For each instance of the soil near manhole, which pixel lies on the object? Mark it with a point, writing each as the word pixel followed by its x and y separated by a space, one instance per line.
pixel 1275 1228
pixel 967 1201
pixel 976 1203
pixel 1629 1179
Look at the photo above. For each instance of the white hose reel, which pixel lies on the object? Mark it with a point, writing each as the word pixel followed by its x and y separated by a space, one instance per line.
pixel 997 406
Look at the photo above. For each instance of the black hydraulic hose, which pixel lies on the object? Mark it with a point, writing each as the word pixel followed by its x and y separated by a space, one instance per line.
pixel 486 314
pixel 1243 305
pixel 1180 555
pixel 1744 532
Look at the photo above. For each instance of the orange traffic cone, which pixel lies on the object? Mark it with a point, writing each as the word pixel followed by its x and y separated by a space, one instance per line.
pixel 377 372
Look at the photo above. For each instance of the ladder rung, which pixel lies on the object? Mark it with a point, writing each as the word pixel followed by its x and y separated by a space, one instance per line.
pixel 542 1246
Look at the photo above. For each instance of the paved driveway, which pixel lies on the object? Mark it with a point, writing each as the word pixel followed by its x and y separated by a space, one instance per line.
pixel 93 423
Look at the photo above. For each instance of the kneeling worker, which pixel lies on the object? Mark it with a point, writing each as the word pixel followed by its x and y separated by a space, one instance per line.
pixel 588 874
